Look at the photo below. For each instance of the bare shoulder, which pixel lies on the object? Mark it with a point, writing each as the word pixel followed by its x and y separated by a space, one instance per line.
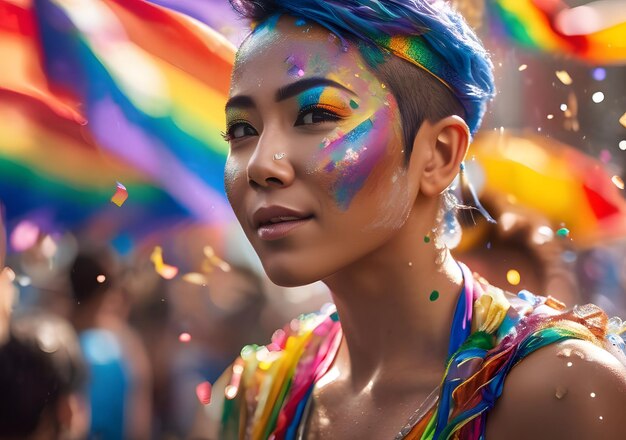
pixel 206 425
pixel 571 389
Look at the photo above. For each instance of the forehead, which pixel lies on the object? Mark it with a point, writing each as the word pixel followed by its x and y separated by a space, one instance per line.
pixel 290 47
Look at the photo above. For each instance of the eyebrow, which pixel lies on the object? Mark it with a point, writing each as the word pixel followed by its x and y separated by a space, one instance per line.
pixel 298 87
pixel 288 91
pixel 240 101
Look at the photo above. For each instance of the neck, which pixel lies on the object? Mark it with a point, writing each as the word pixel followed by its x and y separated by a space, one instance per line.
pixel 390 321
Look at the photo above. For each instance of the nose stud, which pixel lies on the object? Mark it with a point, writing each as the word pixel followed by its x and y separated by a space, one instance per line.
pixel 279 156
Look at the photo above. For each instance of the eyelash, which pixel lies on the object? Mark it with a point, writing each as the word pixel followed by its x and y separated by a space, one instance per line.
pixel 326 111
pixel 328 116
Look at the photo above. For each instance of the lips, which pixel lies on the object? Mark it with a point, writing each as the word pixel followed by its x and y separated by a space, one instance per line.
pixel 275 222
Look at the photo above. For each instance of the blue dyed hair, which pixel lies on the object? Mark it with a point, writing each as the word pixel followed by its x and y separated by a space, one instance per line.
pixel 445 31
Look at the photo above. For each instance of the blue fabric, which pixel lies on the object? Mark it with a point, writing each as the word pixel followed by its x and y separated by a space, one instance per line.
pixel 107 385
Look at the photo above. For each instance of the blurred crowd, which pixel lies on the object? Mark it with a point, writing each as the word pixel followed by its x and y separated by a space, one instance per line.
pixel 100 345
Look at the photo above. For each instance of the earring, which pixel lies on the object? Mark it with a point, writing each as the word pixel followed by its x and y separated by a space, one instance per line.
pixel 469 199
pixel 279 156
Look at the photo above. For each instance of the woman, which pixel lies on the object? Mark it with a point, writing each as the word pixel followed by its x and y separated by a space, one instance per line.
pixel 347 121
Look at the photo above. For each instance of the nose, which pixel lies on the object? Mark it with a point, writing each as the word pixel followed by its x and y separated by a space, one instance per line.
pixel 270 166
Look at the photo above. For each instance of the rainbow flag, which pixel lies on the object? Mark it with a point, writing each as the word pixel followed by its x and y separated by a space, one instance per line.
pixel 534 24
pixel 101 91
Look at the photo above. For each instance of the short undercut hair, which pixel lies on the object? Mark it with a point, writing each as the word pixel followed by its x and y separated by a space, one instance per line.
pixel 420 94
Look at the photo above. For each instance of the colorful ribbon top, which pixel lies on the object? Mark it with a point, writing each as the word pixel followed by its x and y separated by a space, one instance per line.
pixel 491 332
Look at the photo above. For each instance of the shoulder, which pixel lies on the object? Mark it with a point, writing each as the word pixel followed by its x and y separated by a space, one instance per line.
pixel 571 389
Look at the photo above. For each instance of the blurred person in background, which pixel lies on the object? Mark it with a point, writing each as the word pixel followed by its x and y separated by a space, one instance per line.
pixel 219 319
pixel 42 371
pixel 42 376
pixel 120 380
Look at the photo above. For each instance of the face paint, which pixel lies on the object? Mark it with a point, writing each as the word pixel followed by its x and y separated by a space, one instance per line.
pixel 231 174
pixel 353 156
pixel 328 98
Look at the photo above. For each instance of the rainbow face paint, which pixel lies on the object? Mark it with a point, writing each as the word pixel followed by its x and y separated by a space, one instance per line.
pixel 352 156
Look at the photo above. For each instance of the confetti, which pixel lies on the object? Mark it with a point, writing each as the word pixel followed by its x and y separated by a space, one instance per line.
pixel 203 391
pixel 166 271
pixel 564 77
pixel 353 104
pixel 622 145
pixel 426 239
pixel 550 116
pixel 24 236
pixel 599 74
pixel 513 277
pixel 434 295
pixel 215 260
pixel 618 182
pixel 196 278
pixel 522 67
pixel 563 107
pixel 120 195
pixel 622 120
pixel 101 279
pixel 184 337
pixel 597 97
pixel 563 232
pixel 605 156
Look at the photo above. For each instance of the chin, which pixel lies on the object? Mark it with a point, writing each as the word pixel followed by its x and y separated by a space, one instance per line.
pixel 290 275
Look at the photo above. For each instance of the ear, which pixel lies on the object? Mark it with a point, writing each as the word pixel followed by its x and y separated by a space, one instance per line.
pixel 447 141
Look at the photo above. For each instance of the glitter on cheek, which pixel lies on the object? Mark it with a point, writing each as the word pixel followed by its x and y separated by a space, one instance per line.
pixel 354 156
pixel 231 175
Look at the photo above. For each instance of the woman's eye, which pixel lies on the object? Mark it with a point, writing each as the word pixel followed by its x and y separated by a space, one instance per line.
pixel 316 115
pixel 239 130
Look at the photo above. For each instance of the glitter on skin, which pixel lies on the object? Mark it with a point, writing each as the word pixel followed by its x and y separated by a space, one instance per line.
pixel 354 156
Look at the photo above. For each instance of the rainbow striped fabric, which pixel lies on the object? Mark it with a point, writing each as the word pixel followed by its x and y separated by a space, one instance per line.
pixel 99 91
pixel 532 24
pixel 491 332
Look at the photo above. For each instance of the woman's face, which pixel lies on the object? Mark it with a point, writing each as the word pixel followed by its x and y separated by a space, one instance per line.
pixel 316 173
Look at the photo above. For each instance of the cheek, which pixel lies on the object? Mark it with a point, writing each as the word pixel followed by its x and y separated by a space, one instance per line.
pixel 233 178
pixel 351 157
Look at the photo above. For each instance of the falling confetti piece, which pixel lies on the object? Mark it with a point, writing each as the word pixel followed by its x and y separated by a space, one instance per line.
pixel 564 77
pixel 184 337
pixel 622 120
pixel 563 232
pixel 563 107
pixel 550 116
pixel 215 260
pixel 165 270
pixel 101 279
pixel 120 195
pixel 597 97
pixel 24 236
pixel 622 145
pixel 599 74
pixel 203 391
pixel 513 277
pixel 605 156
pixel 196 278
pixel 522 67
pixel 426 239
pixel 353 104
pixel 618 182
pixel 434 295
